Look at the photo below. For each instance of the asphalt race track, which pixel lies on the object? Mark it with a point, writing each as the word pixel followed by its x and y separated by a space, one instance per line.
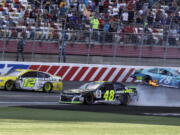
pixel 152 101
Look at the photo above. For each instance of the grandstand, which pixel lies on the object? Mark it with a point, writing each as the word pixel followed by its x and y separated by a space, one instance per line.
pixel 105 31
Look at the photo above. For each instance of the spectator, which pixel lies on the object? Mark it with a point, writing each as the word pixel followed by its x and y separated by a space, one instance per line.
pixel 125 17
pixel 94 23
pixel 150 18
pixel 95 27
pixel 173 34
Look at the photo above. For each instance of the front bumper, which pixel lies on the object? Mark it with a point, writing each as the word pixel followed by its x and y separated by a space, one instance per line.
pixel 73 99
pixel 2 85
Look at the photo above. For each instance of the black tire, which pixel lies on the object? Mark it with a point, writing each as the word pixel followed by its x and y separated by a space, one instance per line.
pixel 146 79
pixel 47 87
pixel 88 99
pixel 124 99
pixel 10 85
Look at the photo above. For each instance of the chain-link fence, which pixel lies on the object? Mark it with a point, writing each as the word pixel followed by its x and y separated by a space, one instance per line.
pixel 159 47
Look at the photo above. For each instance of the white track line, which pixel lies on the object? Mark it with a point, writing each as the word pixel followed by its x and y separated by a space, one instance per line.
pixel 3 104
pixel 34 96
pixel 163 114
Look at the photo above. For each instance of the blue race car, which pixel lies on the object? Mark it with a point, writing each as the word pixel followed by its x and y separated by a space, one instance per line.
pixel 158 77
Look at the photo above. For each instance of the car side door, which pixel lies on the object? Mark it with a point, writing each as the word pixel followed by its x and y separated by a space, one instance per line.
pixel 42 78
pixel 108 92
pixel 153 73
pixel 166 77
pixel 28 80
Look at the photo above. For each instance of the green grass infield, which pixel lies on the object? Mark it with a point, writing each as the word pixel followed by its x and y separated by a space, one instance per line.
pixel 27 121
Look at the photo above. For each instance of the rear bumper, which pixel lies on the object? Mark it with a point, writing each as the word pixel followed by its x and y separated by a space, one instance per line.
pixel 134 98
pixel 57 86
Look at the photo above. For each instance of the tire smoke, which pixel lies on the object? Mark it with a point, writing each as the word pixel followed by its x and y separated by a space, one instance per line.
pixel 158 96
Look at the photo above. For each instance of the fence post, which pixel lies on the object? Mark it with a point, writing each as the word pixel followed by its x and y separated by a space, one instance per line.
pixel 165 50
pixel 89 47
pixel 4 47
pixel 33 48
pixel 114 49
pixel 141 49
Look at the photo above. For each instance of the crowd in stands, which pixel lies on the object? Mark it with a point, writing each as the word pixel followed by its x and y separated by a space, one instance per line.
pixel 120 21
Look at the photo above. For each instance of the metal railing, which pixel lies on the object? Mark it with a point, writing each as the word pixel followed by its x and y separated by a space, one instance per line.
pixel 159 37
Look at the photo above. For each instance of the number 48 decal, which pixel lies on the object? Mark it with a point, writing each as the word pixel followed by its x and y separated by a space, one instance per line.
pixel 109 95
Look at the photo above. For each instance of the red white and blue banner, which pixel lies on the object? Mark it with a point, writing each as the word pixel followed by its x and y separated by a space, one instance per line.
pixel 76 72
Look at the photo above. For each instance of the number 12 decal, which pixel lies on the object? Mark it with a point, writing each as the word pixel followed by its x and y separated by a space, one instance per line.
pixel 109 95
pixel 29 82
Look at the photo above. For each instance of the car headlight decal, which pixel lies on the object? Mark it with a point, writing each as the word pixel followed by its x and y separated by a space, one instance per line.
pixel 1 80
pixel 98 94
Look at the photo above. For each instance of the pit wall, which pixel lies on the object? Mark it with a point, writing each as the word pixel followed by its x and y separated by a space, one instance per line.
pixel 77 72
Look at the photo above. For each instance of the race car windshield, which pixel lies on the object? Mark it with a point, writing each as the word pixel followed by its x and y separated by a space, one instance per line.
pixel 90 86
pixel 13 73
pixel 177 73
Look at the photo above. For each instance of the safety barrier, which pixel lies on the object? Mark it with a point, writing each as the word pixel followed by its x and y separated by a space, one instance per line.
pixel 77 72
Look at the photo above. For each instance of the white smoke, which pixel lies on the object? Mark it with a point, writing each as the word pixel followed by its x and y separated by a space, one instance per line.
pixel 158 96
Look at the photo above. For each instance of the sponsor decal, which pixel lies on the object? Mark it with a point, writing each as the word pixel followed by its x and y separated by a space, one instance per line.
pixel 4 68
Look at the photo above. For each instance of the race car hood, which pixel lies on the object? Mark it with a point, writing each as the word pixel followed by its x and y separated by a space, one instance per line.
pixel 8 78
pixel 57 77
pixel 75 91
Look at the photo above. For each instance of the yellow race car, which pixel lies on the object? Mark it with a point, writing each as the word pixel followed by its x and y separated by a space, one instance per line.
pixel 27 79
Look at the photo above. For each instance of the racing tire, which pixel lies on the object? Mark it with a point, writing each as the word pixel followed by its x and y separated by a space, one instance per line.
pixel 88 99
pixel 124 99
pixel 146 79
pixel 10 85
pixel 47 87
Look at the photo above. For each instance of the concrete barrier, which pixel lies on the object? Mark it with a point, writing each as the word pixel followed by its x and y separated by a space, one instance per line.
pixel 77 72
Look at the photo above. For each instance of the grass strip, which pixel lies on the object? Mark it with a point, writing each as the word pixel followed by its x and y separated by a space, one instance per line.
pixel 17 121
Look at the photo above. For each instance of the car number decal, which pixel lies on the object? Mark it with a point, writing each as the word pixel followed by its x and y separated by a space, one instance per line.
pixel 29 82
pixel 109 95
pixel 166 80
